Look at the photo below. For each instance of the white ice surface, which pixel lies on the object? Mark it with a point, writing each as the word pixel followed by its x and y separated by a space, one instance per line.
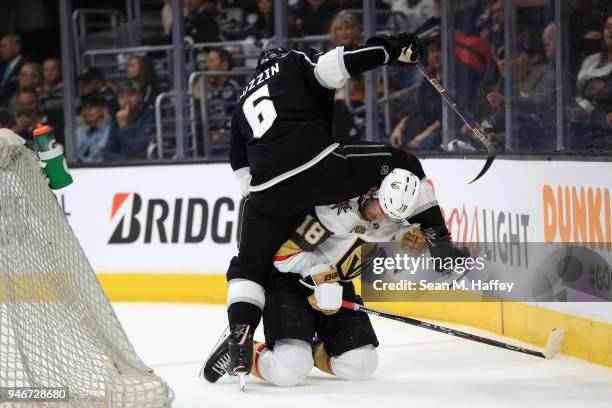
pixel 418 368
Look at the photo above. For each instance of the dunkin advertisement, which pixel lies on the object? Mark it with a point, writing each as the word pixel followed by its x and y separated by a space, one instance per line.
pixel 549 219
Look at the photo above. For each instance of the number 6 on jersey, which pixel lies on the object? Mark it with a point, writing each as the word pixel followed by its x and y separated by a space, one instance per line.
pixel 260 115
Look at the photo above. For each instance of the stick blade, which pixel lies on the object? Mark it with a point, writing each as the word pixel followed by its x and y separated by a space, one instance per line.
pixel 488 164
pixel 555 340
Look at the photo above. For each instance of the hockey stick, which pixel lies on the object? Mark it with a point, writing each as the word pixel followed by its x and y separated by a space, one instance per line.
pixel 553 346
pixel 470 123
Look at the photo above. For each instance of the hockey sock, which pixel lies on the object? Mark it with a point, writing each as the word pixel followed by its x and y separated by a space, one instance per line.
pixel 244 313
pixel 322 360
pixel 258 349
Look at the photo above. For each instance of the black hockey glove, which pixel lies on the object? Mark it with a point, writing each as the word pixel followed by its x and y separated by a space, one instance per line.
pixel 403 46
pixel 442 247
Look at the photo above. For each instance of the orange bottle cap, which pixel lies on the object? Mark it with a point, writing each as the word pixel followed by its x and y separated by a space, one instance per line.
pixel 41 129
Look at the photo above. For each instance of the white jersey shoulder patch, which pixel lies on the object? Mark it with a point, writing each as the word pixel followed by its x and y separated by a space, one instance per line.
pixel 342 218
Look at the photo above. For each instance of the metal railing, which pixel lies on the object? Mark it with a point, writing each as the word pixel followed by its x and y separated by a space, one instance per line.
pixel 199 129
pixel 84 29
pixel 113 61
pixel 319 42
pixel 199 81
pixel 165 134
pixel 385 100
pixel 198 133
pixel 244 52
pixel 396 21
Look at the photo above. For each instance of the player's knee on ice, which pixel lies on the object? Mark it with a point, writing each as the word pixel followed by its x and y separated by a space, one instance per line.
pixel 355 365
pixel 288 364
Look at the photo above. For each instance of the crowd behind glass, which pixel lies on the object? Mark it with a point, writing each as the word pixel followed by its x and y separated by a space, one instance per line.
pixel 116 119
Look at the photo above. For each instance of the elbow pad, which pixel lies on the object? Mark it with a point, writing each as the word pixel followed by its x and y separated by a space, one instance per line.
pixel 330 70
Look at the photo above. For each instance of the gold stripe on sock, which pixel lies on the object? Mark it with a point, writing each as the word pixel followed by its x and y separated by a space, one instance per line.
pixel 322 359
pixel 258 348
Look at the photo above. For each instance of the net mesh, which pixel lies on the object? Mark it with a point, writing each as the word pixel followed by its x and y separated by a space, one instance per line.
pixel 57 328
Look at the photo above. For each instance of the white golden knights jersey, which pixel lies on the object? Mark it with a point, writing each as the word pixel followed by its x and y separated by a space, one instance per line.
pixel 333 235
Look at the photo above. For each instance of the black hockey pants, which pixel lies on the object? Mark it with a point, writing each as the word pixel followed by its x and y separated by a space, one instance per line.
pixel 271 215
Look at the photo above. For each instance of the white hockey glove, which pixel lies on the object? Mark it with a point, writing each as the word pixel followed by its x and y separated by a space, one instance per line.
pixel 244 180
pixel 10 143
pixel 327 296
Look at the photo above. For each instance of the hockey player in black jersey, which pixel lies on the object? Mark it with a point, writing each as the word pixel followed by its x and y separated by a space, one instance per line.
pixel 323 254
pixel 286 160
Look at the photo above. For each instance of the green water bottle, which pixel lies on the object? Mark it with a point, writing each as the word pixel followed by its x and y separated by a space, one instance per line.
pixel 52 155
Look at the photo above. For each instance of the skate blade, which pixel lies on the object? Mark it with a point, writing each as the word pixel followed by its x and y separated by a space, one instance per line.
pixel 242 381
pixel 224 335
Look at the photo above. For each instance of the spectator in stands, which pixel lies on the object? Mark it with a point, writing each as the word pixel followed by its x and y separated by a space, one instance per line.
pixel 345 31
pixel 134 128
pixel 584 37
pixel 594 85
pixel 200 22
pixel 533 105
pixel 30 76
pixel 546 83
pixel 408 76
pixel 263 24
pixel 313 16
pixel 432 23
pixel 491 97
pixel 93 81
pixel 51 91
pixel 492 29
pixel 415 12
pixel 166 17
pixel 548 40
pixel 11 53
pixel 239 12
pixel 595 71
pixel 93 130
pixel 141 71
pixel 51 94
pixel 422 126
pixel 223 94
pixel 28 114
pixel 467 13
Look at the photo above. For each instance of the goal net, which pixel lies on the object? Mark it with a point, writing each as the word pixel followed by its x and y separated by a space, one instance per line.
pixel 57 328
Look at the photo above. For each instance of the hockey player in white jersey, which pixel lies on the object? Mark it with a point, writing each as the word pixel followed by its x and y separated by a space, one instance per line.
pixel 322 256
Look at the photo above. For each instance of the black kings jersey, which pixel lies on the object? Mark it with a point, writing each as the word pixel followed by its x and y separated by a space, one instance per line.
pixel 282 124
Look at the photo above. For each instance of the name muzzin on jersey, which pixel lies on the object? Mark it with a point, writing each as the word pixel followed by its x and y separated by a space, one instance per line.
pixel 260 78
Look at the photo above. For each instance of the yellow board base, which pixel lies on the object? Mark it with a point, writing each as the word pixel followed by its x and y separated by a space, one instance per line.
pixel 164 288
pixel 584 338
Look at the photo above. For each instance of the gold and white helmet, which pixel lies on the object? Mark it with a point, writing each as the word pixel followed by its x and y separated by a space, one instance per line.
pixel 398 194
